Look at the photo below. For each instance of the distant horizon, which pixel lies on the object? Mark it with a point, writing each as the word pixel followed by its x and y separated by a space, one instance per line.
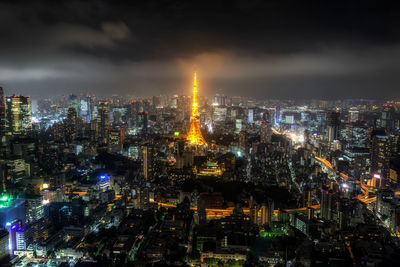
pixel 206 96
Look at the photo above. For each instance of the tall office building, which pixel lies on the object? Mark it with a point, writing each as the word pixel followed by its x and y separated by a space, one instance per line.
pixel 250 118
pixel 333 123
pixel 383 196
pixel 387 117
pixel 73 102
pixel 18 115
pixel 2 124
pixel 20 235
pixel 328 201
pixel 2 113
pixel 71 124
pixel 103 121
pixel 267 212
pixel 34 209
pixel 148 161
pixel 353 114
pixel 86 108
pixel 220 114
pixel 4 245
pixel 266 132
pixel 220 100
pixel 142 122
pixel 380 155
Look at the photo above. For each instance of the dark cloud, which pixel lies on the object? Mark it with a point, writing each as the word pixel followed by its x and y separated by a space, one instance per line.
pixel 271 48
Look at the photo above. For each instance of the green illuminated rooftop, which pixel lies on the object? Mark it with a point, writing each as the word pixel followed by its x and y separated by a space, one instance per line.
pixel 5 201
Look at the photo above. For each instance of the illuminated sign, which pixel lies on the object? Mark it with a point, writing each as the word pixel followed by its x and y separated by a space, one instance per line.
pixel 176 133
pixel 104 177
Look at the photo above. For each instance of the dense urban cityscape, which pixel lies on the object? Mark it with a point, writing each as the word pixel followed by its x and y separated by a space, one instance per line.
pixel 195 133
pixel 189 180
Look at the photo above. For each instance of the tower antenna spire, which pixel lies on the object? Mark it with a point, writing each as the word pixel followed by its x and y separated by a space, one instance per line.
pixel 194 136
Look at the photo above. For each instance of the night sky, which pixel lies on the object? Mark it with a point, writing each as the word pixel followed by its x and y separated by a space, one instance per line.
pixel 277 49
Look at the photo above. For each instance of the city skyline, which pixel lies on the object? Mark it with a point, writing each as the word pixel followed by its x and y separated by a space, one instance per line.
pixel 192 133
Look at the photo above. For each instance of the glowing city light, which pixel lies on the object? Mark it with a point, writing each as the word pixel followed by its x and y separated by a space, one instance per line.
pixel 194 136
pixel 104 177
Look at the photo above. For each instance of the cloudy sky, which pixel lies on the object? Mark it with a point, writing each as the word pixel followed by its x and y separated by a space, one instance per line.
pixel 279 48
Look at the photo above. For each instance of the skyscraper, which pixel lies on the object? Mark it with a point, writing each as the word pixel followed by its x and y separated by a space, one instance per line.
pixel 73 102
pixel 387 120
pixel 4 245
pixel 148 161
pixel 2 124
pixel 103 121
pixel 2 114
pixel 18 115
pixel 194 136
pixel 86 108
pixel 220 100
pixel 70 124
pixel 142 122
pixel 266 132
pixel 328 200
pixel 380 155
pixel 333 123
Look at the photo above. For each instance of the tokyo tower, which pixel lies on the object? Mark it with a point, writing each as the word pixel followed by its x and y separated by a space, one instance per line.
pixel 194 135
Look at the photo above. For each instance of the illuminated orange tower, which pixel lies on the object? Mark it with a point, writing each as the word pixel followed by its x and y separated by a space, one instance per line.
pixel 194 135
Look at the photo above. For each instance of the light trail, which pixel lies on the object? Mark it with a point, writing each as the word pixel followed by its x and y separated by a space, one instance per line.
pixel 324 161
pixel 275 131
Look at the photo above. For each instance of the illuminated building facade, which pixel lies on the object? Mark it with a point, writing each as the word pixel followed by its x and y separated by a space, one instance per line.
pixel 194 136
pixel 380 154
pixel 34 208
pixel 4 244
pixel 2 119
pixel 220 100
pixel 387 117
pixel 148 161
pixel 20 235
pixel 70 124
pixel 210 169
pixel 18 115
pixel 104 182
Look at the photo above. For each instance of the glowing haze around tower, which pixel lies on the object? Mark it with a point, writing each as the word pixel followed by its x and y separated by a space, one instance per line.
pixel 194 135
